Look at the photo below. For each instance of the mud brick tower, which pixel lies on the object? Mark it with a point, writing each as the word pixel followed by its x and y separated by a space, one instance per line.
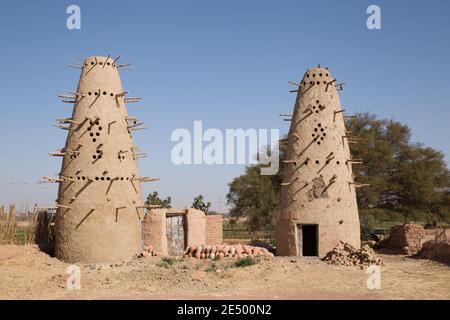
pixel 317 205
pixel 99 199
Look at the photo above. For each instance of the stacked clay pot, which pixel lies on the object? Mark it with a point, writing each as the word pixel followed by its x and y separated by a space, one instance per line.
pixel 226 251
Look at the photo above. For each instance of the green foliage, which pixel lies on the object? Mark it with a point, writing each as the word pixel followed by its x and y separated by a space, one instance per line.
pixel 445 208
pixel 367 227
pixel 21 235
pixel 379 216
pixel 403 176
pixel 166 262
pixel 154 199
pixel 255 197
pixel 245 262
pixel 169 260
pixel 199 204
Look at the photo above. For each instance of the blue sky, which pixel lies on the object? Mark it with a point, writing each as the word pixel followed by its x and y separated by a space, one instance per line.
pixel 226 63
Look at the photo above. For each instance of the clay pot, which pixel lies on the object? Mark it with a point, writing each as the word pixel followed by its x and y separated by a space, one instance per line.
pixel 239 250
pixel 220 255
pixel 212 256
pixel 202 255
pixel 193 251
pixel 232 251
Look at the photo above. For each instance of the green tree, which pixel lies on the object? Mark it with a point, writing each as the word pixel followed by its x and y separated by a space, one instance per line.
pixel 199 204
pixel 403 176
pixel 154 199
pixel 254 196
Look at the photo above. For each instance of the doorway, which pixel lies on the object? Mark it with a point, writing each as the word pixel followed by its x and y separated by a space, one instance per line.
pixel 175 226
pixel 308 240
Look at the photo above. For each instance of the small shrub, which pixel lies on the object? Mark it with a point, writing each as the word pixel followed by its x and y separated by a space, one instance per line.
pixel 169 260
pixel 245 262
pixel 166 262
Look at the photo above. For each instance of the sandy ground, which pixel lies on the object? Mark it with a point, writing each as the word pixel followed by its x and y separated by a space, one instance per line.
pixel 27 273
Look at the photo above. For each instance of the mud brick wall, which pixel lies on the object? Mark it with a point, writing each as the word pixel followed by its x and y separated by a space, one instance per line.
pixel 214 231
pixel 154 230
pixel 196 226
pixel 408 238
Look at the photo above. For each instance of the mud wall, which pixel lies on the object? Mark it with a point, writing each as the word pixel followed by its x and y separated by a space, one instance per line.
pixel 214 229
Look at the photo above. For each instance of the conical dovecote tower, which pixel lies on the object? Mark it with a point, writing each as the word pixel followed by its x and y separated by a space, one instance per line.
pixel 317 205
pixel 99 198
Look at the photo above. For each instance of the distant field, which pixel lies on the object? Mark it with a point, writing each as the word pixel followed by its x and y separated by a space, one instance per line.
pixel 21 235
pixel 240 231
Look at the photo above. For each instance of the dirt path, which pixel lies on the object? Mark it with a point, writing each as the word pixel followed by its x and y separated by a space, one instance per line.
pixel 26 273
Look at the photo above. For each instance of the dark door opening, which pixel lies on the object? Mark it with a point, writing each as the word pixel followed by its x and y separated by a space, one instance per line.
pixel 309 240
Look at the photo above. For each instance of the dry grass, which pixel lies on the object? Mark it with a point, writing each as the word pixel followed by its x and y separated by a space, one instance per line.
pixel 8 225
